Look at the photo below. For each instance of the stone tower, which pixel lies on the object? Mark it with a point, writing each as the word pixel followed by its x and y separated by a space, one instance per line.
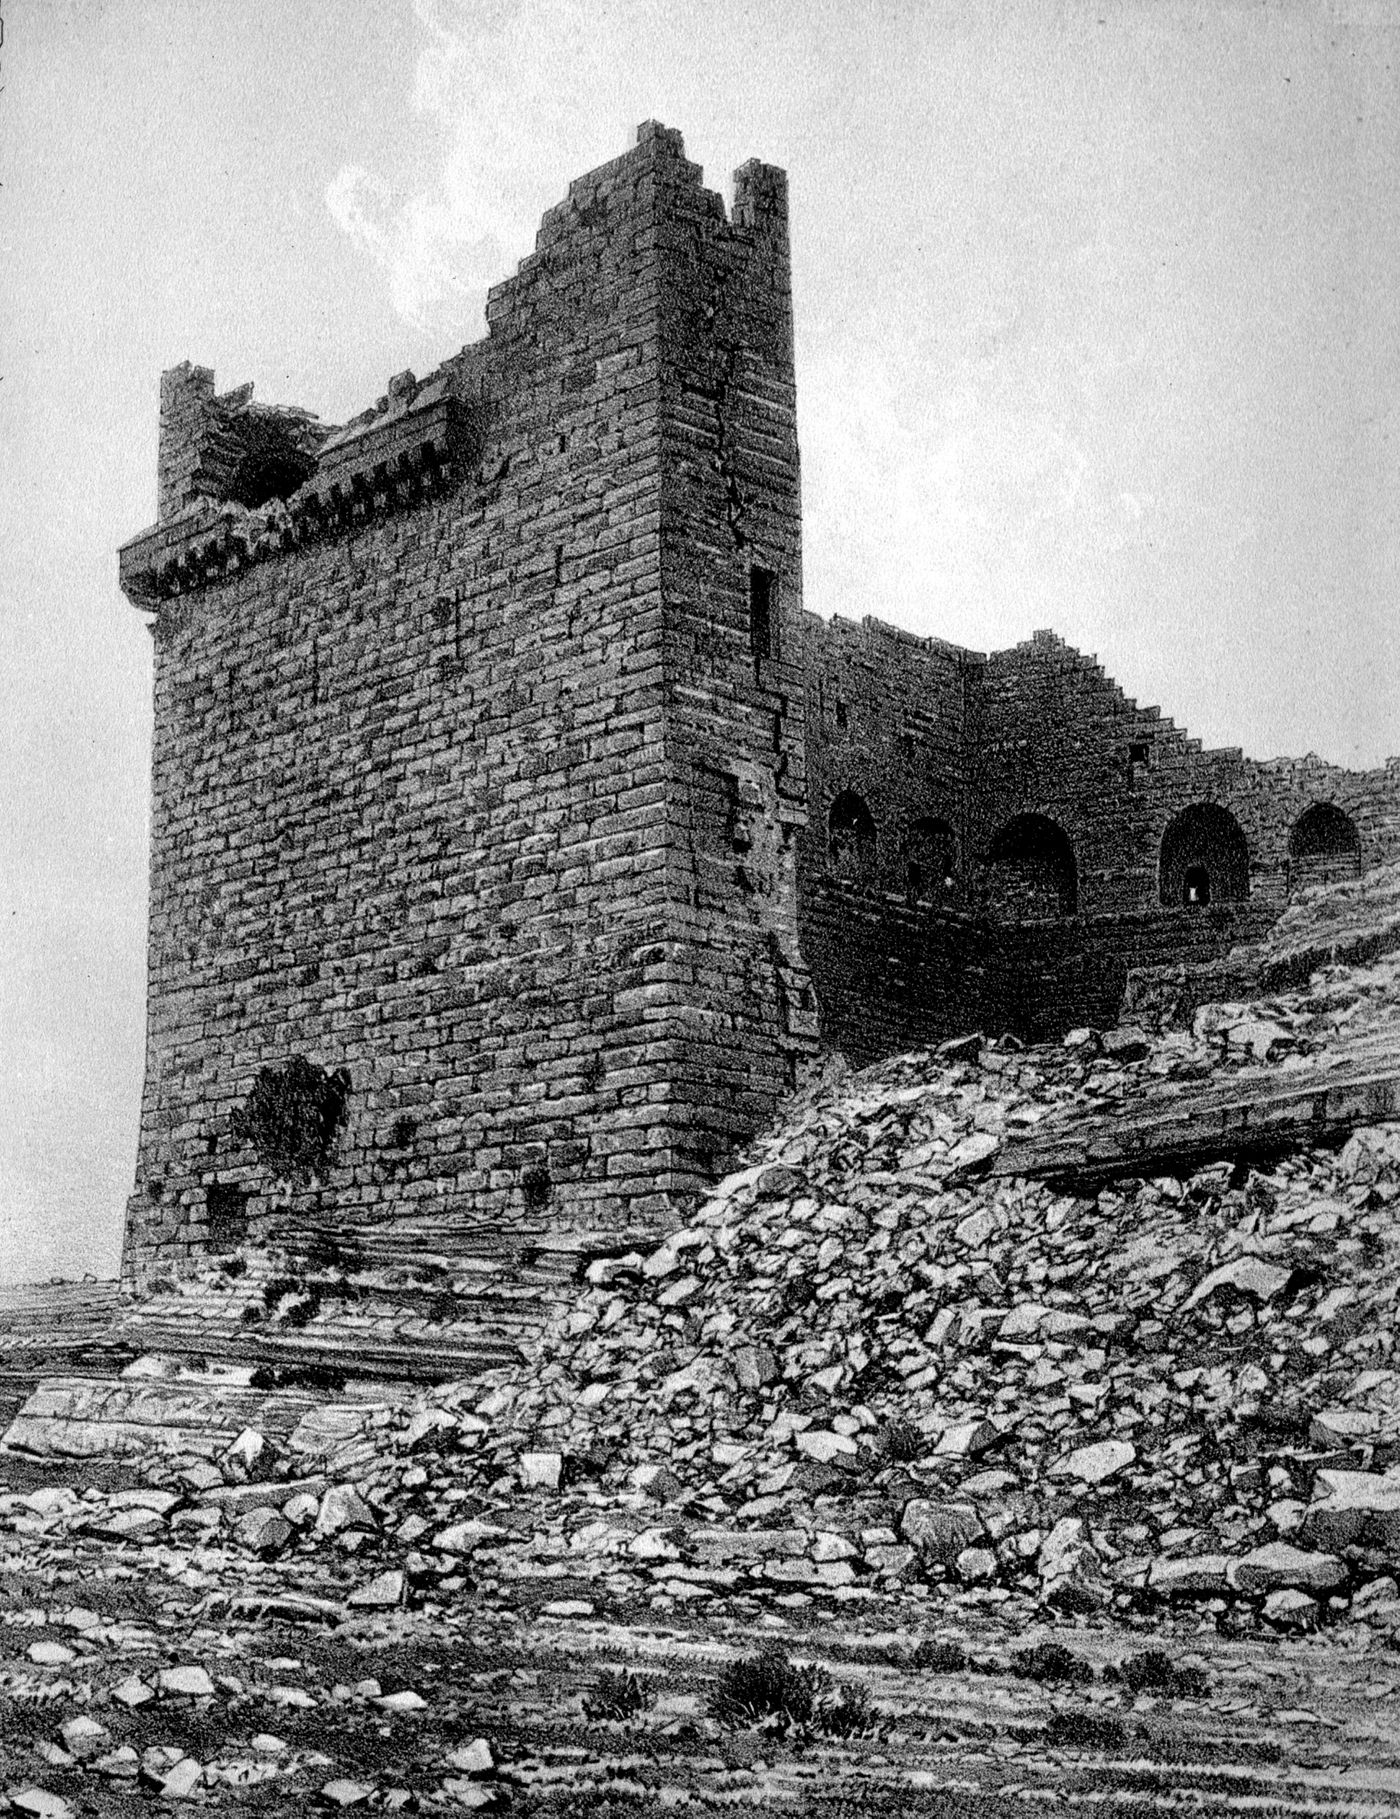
pixel 478 751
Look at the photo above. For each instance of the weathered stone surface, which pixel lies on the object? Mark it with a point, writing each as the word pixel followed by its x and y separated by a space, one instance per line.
pixel 1197 1574
pixel 187 1681
pixel 1102 1460
pixel 1353 1508
pixel 264 1530
pixel 342 1507
pixel 785 739
pixel 386 1591
pixel 1278 1567
pixel 940 1531
pixel 540 1471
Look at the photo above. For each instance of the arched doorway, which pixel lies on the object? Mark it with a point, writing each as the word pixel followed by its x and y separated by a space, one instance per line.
pixel 1031 872
pixel 851 838
pixel 1323 847
pixel 1204 858
pixel 930 860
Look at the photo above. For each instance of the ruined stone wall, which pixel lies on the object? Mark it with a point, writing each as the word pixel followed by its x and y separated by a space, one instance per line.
pixel 413 788
pixel 504 795
pixel 895 960
pixel 1082 824
pixel 1058 738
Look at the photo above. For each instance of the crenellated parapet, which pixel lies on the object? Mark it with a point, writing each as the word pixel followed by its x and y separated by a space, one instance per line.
pixel 240 484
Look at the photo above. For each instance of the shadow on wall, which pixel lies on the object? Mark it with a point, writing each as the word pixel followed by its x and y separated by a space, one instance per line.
pixel 1029 873
pixel 851 839
pixel 1204 858
pixel 930 861
pixel 1323 848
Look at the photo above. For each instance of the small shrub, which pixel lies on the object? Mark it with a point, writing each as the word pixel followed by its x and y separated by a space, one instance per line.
pixel 276 1288
pixel 233 1266
pixel 845 1713
pixel 766 1687
pixel 252 1314
pixel 1086 1731
pixel 933 1657
pixel 291 1117
pixel 300 1312
pixel 615 1696
pixel 1154 1671
pixel 1051 1661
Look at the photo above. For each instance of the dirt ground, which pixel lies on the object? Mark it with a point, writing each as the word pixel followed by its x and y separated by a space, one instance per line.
pixel 923 1708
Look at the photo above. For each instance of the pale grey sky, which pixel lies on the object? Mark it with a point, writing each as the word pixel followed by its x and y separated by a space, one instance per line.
pixel 1098 316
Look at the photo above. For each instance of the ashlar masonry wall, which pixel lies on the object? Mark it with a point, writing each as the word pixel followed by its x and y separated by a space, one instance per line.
pixel 419 821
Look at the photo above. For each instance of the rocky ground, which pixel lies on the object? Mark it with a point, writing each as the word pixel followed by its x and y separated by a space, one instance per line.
pixel 911 1470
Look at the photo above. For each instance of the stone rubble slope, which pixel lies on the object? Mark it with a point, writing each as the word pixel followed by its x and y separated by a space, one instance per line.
pixel 1173 1388
pixel 871 1369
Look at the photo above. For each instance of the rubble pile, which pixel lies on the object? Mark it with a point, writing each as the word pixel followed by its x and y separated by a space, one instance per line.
pixel 890 1366
pixel 879 1362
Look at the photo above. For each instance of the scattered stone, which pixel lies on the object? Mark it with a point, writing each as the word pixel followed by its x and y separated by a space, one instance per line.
pixel 474 1758
pixel 83 1738
pixel 41 1804
pixel 1199 1575
pixel 823 1446
pixel 1290 1610
pixel 940 1531
pixel 185 1682
pixel 1342 1427
pixel 247 1449
pixel 541 1471
pixel 342 1507
pixel 343 1793
pixel 1251 1276
pixel 263 1531
pixel 1125 1043
pixel 1093 1464
pixel 182 1780
pixel 133 1691
pixel 386 1591
pixel 966 1439
pixel 1353 1509
pixel 50 1654
pixel 1279 1567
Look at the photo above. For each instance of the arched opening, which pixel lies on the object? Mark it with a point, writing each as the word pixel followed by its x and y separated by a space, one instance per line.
pixel 1031 873
pixel 851 839
pixel 930 860
pixel 1323 847
pixel 1204 858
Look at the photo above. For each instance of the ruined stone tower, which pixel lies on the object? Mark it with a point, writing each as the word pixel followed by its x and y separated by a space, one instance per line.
pixel 517 837
pixel 477 770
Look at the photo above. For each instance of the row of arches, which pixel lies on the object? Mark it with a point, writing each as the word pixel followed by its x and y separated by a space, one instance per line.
pixel 1029 870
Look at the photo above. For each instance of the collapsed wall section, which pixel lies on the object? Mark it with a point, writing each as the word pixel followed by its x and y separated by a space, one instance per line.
pixel 409 876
